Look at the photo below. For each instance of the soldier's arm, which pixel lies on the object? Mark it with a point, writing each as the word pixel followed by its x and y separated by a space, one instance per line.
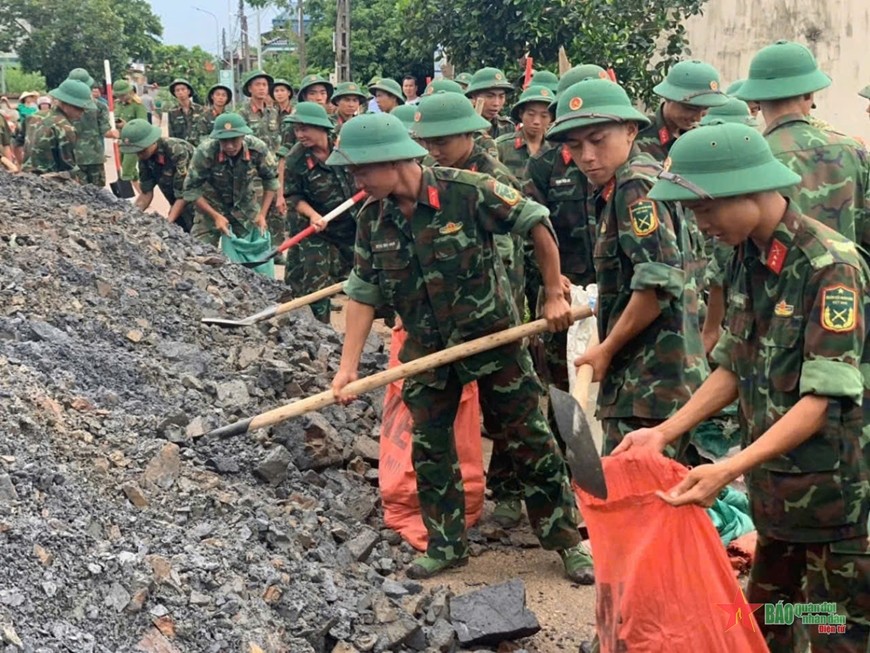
pixel 66 151
pixel 537 176
pixel 143 201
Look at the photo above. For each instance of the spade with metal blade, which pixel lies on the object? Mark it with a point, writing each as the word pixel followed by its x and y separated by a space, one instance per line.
pixel 574 426
pixel 278 309
pixel 122 188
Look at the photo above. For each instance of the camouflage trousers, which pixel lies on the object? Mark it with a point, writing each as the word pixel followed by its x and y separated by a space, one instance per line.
pixel 94 174
pixel 824 572
pixel 321 260
pixel 510 402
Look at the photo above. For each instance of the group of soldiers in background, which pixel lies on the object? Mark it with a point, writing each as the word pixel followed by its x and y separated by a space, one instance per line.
pixel 625 212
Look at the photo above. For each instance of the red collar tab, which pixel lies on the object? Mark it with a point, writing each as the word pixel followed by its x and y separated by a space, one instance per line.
pixel 518 142
pixel 434 200
pixel 309 160
pixel 664 135
pixel 776 256
pixel 221 156
pixel 247 153
pixel 566 154
pixel 473 167
pixel 607 193
pixel 161 160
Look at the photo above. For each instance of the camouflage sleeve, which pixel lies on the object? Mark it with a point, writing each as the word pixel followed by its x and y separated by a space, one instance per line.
pixel 182 167
pixel 647 238
pixel 862 200
pixel 537 176
pixel 294 184
pixel 103 118
pixel 267 169
pixel 146 180
pixel 718 257
pixel 198 174
pixel 502 210
pixel 834 334
pixel 5 134
pixel 66 141
pixel 362 284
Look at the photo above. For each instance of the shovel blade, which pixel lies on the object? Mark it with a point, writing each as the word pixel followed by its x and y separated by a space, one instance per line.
pixel 226 324
pixel 582 456
pixel 122 189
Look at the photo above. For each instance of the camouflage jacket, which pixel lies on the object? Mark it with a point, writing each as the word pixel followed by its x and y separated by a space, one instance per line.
pixel 23 137
pixel 91 129
pixel 167 168
pixel 501 125
pixel 5 133
pixel 556 182
pixel 181 122
pixel 514 153
pixel 202 126
pixel 307 178
pixel 54 140
pixel 640 246
pixel 487 142
pixel 228 183
pixel 796 325
pixel 656 139
pixel 835 175
pixel 440 269
pixel 264 123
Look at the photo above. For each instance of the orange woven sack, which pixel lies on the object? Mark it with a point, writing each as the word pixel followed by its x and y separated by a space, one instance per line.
pixel 662 577
pixel 397 480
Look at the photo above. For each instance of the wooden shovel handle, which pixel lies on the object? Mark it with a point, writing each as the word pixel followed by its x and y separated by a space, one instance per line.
pixel 379 380
pixel 584 374
pixel 299 302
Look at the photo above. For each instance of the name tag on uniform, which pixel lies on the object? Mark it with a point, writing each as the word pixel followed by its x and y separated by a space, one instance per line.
pixel 563 181
pixel 386 246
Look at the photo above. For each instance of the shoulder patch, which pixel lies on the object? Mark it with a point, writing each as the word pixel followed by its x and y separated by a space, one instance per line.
pixel 506 194
pixel 839 308
pixel 644 217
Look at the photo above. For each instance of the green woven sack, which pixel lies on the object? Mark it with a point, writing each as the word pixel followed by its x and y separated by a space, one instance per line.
pixel 251 247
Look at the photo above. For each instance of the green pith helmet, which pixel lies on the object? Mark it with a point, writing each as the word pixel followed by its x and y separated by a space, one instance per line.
pixel 720 160
pixel 81 75
pixel 546 79
pixel 256 74
pixel 782 70
pixel 486 79
pixel 463 79
pixel 347 89
pixel 310 113
pixel 446 114
pixel 445 85
pixel 865 92
pixel 578 74
pixel 181 81
pixel 735 86
pixel 406 114
pixel 733 111
pixel 137 135
pixel 230 125
pixel 591 102
pixel 312 80
pixel 74 93
pixel 211 91
pixel 692 82
pixel 374 138
pixel 284 83
pixel 121 87
pixel 532 94
pixel 390 86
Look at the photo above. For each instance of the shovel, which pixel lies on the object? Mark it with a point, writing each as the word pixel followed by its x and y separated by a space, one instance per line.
pixel 572 420
pixel 379 380
pixel 121 188
pixel 278 309
pixel 302 235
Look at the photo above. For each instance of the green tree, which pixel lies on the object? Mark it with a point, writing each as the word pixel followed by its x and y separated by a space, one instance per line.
pixel 167 62
pixel 18 81
pixel 639 39
pixel 141 27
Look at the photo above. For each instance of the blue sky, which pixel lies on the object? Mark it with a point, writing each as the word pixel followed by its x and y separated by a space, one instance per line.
pixel 185 25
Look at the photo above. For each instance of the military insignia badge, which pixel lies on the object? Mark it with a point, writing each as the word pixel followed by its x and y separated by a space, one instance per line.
pixel 839 309
pixel 575 103
pixel 228 125
pixel 497 76
pixel 782 309
pixel 450 228
pixel 644 217
pixel 545 92
pixel 126 141
pixel 352 87
pixel 418 116
pixel 506 194
pixel 714 85
pixel 666 164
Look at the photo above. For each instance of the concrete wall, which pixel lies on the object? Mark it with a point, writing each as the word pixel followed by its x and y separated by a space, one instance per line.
pixel 837 31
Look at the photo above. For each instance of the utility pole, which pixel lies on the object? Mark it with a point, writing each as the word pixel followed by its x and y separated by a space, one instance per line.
pixel 243 28
pixel 342 42
pixel 259 43
pixel 300 48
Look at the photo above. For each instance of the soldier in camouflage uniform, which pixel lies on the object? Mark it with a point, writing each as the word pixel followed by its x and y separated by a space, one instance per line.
pixel 690 89
pixel 312 189
pixel 347 98
pixel 55 137
pixel 317 89
pixel 731 91
pixel 834 169
pixel 220 181
pixel 282 93
pixel 182 118
pixel 532 113
pixel 650 358
pixel 482 138
pixel 545 78
pixel 5 139
pixel 91 130
pixel 463 79
pixel 490 87
pixel 163 163
pixel 218 99
pixel 387 93
pixel 794 356
pixel 424 246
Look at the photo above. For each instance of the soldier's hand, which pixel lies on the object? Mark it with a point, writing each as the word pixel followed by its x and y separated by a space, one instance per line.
pixel 113 133
pixel 566 288
pixel 317 222
pixel 557 312
pixel 222 224
pixel 599 357
pixel 281 204
pixel 701 486
pixel 341 379
pixel 642 439
pixel 260 222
